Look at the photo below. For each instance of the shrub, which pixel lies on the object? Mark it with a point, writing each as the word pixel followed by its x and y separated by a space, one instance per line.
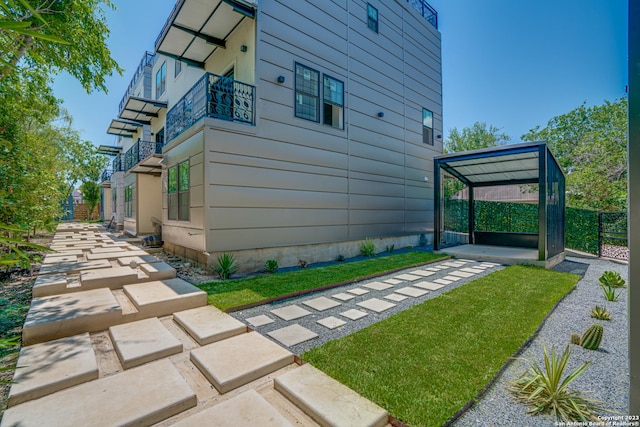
pixel 545 391
pixel 612 279
pixel 600 313
pixel 390 248
pixel 226 266
pixel 271 266
pixel 367 248
pixel 610 293
pixel 575 339
pixel 302 263
pixel 592 337
pixel 339 258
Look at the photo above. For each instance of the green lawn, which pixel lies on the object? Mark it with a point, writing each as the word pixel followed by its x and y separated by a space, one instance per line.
pixel 425 363
pixel 234 293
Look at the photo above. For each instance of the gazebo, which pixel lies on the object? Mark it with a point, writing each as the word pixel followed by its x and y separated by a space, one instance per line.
pixel 526 164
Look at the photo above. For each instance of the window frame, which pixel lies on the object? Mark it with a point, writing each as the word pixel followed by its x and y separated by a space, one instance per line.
pixel 371 21
pixel 161 80
pixel 325 101
pixel 128 201
pixel 297 91
pixel 179 194
pixel 177 68
pixel 427 131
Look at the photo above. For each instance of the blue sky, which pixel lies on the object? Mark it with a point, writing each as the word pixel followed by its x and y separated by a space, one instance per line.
pixel 512 64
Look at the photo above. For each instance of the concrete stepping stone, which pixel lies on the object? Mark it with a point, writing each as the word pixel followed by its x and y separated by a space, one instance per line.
pixel 114 255
pixel 353 314
pixel 158 271
pixel 489 264
pixel 321 303
pixel 453 264
pixel 238 360
pixel 423 273
pixel 65 252
pixel 375 304
pixel 141 396
pixel 434 269
pixel 408 277
pixel 53 259
pixel 428 286
pixel 103 250
pixel 343 296
pixel 331 322
pixel 443 281
pixel 327 401
pixel 358 291
pixel 208 324
pixel 392 281
pixel 290 312
pixel 292 335
pixel 260 320
pixel 144 341
pixel 139 260
pixel 52 366
pixel 74 267
pixel 462 274
pixel 472 270
pixel 377 286
pixel 112 278
pixel 451 278
pixel 50 284
pixel 411 292
pixel 60 316
pixel 248 409
pixel 160 298
pixel 396 297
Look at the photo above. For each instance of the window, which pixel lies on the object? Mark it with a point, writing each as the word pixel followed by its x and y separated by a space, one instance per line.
pixel 161 80
pixel 128 201
pixel 178 68
pixel 160 136
pixel 307 93
pixel 427 126
pixel 178 191
pixel 333 102
pixel 372 18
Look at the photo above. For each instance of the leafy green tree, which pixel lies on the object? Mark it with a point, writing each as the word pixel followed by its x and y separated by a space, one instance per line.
pixel 590 143
pixel 480 135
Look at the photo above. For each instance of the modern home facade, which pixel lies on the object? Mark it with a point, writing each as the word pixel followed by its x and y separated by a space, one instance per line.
pixel 297 131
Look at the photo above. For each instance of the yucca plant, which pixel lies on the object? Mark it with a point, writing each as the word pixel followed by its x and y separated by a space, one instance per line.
pixel 600 313
pixel 610 293
pixel 612 279
pixel 545 391
pixel 367 248
pixel 226 266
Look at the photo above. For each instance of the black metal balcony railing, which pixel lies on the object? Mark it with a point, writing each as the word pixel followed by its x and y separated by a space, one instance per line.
pixel 140 151
pixel 106 175
pixel 117 164
pixel 425 9
pixel 212 96
pixel 148 59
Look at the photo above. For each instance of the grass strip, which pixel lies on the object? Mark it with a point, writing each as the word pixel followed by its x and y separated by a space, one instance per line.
pixel 425 363
pixel 234 293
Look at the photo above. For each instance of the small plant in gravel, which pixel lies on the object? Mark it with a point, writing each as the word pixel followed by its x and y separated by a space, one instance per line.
pixel 610 293
pixel 575 339
pixel 612 279
pixel 544 390
pixel 592 337
pixel 600 313
pixel 390 248
pixel 271 266
pixel 339 258
pixel 302 263
pixel 226 267
pixel 367 248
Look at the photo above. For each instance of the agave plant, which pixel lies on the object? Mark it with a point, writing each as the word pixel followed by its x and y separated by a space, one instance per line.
pixel 600 313
pixel 545 390
pixel 612 279
pixel 226 266
pixel 610 293
pixel 271 266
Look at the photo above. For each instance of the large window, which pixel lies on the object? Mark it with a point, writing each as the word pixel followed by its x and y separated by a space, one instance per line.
pixel 427 126
pixel 333 102
pixel 307 93
pixel 128 201
pixel 161 80
pixel 372 17
pixel 178 191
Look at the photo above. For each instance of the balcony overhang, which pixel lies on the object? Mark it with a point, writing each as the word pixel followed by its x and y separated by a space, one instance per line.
pixel 150 165
pixel 109 150
pixel 195 29
pixel 141 110
pixel 124 128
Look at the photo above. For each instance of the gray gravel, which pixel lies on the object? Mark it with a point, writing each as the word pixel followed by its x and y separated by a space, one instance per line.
pixel 608 375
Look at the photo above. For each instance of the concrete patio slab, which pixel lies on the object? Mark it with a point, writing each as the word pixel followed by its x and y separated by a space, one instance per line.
pixel 112 278
pixel 377 286
pixel 423 273
pixel 114 255
pixel 260 320
pixel 141 396
pixel 60 316
pixel 74 267
pixel 411 292
pixel 144 341
pixel 50 284
pixel 408 277
pixel 290 312
pixel 396 297
pixel 53 259
pixel 158 271
pixel 343 296
pixel 321 303
pixel 443 281
pixel 292 335
pixel 248 409
pixel 393 281
pixel 327 401
pixel 376 304
pixel 137 260
pixel 331 322
pixel 238 360
pixel 65 252
pixel 358 291
pixel 462 274
pixel 160 298
pixel 103 250
pixel 353 314
pixel 453 264
pixel 52 366
pixel 428 286
pixel 451 278
pixel 472 270
pixel 208 324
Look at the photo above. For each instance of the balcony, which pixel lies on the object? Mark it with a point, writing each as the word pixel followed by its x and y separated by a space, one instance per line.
pixel 105 178
pixel 427 12
pixel 117 164
pixel 148 59
pixel 144 157
pixel 212 96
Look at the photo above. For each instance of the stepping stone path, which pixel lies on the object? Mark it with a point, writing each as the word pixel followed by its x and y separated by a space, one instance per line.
pixel 119 340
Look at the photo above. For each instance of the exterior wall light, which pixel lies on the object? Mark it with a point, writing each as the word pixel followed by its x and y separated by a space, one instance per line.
pixel 381 114
pixel 280 79
pixel 243 48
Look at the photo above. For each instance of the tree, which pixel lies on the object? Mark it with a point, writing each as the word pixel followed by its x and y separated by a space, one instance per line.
pixel 480 135
pixel 590 144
